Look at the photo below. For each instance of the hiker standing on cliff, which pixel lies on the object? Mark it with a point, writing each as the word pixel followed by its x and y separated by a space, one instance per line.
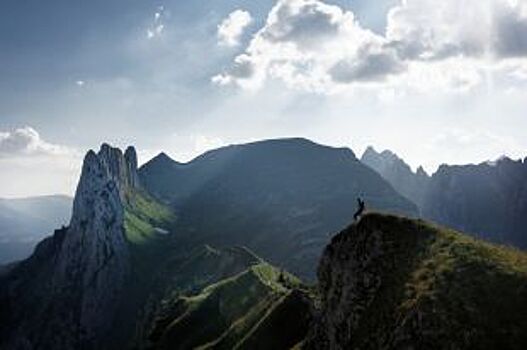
pixel 360 209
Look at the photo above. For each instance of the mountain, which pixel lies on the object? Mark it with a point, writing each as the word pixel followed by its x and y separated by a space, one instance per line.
pixel 25 221
pixel 131 272
pixel 68 292
pixel 248 310
pixel 410 184
pixel 281 198
pixel 487 200
pixel 392 283
pixel 114 278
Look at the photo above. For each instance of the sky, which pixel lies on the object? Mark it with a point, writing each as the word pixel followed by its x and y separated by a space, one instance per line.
pixel 435 82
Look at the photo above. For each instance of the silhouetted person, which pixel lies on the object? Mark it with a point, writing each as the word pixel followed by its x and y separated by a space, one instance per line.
pixel 360 210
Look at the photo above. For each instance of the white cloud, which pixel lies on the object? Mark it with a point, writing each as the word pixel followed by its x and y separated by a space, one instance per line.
pixel 155 31
pixel 231 29
pixel 33 166
pixel 314 46
pixel 300 43
pixel 156 28
pixel 26 141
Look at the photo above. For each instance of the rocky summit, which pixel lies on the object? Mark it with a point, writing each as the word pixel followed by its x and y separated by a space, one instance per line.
pixel 66 294
pixel 394 283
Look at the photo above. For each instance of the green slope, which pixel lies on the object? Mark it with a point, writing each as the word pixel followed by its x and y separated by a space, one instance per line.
pixel 252 307
pixel 399 283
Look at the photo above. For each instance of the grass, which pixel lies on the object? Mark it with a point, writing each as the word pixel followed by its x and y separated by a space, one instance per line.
pixel 441 288
pixel 143 215
pixel 228 313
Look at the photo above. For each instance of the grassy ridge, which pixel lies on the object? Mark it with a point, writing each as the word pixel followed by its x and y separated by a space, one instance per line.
pixel 237 312
pixel 416 285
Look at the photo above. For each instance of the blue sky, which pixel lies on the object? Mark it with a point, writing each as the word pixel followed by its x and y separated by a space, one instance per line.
pixel 162 76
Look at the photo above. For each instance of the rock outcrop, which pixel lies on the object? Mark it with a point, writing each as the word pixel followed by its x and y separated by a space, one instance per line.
pixel 395 283
pixel 66 295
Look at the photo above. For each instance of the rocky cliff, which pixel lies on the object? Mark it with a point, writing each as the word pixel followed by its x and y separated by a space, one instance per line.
pixel 486 200
pixel 410 184
pixel 395 283
pixel 66 294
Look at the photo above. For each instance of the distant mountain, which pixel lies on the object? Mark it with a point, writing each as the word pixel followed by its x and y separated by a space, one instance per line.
pixel 395 283
pixel 281 198
pixel 488 200
pixel 410 184
pixel 25 221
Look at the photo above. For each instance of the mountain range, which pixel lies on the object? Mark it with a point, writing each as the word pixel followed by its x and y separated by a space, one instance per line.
pixel 238 249
pixel 487 200
pixel 291 191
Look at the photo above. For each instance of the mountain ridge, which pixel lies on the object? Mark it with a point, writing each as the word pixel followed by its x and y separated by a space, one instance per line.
pixel 486 199
pixel 391 282
pixel 252 194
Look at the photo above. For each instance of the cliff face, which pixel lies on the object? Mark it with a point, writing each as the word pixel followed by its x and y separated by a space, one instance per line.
pixel 390 283
pixel 66 294
pixel 399 174
pixel 487 200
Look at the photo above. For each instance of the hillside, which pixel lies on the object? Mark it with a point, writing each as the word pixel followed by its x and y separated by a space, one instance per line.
pixel 249 310
pixel 280 198
pixel 390 282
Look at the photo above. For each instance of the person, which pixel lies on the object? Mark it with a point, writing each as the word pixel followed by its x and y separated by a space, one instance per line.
pixel 360 210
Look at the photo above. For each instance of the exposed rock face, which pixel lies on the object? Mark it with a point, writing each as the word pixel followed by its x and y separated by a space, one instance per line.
pixel 486 200
pixel 398 174
pixel 349 279
pixel 84 267
pixel 395 283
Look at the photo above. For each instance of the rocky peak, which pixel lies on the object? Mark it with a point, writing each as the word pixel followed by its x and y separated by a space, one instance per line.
pixel 421 172
pixel 89 263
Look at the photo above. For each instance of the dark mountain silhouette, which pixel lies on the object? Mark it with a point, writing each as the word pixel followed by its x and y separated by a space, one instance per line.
pixel 488 200
pixel 281 198
pixel 393 283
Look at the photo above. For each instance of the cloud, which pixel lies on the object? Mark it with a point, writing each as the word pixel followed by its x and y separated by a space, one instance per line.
pixel 232 28
pixel 314 46
pixel 511 29
pixel 301 41
pixel 25 142
pixel 368 66
pixel 156 28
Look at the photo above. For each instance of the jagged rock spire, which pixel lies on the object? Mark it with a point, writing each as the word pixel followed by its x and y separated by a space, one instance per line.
pixel 94 257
